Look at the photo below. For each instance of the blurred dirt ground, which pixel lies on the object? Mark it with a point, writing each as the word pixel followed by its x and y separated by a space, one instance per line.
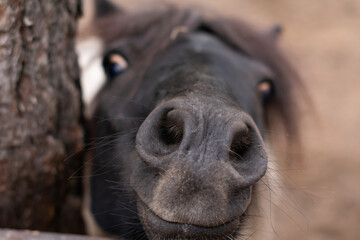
pixel 322 38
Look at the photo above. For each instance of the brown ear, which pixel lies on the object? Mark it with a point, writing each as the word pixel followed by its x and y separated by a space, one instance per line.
pixel 105 8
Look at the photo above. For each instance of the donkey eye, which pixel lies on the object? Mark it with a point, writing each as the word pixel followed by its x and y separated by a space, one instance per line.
pixel 114 64
pixel 265 90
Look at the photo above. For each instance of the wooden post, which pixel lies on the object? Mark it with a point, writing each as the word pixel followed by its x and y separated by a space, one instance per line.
pixel 6 234
pixel 40 115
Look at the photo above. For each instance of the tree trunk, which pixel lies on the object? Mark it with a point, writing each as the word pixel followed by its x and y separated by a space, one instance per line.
pixel 6 234
pixel 40 115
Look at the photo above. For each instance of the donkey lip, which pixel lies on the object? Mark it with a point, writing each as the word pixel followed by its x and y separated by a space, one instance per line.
pixel 155 225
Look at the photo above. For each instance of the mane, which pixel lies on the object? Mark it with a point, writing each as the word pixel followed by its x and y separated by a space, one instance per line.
pixel 150 32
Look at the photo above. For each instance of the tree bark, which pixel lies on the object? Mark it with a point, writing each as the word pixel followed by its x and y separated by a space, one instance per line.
pixel 35 235
pixel 40 115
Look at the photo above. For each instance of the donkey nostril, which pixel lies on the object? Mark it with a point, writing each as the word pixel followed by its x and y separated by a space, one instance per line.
pixel 247 157
pixel 171 128
pixel 240 144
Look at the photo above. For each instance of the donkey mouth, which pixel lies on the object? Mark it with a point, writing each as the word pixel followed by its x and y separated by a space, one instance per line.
pixel 158 228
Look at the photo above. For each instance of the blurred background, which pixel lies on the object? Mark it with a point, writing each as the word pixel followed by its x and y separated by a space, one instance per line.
pixel 322 39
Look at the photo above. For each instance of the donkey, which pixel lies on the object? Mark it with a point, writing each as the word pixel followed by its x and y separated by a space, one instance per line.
pixel 178 129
